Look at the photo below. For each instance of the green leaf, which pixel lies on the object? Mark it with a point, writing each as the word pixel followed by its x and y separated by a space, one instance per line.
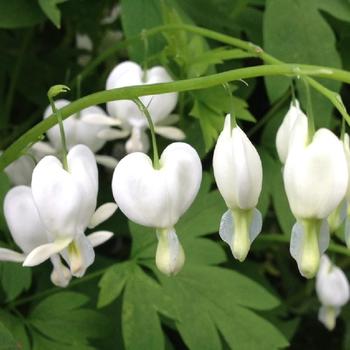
pixel 113 281
pixel 19 13
pixel 17 328
pixel 7 341
pixel 292 33
pixel 15 279
pixel 52 11
pixel 338 8
pixel 138 15
pixel 219 293
pixel 60 318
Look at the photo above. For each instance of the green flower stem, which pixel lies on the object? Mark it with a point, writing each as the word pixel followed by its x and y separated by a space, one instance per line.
pixel 57 114
pixel 132 92
pixel 54 91
pixel 310 114
pixel 144 110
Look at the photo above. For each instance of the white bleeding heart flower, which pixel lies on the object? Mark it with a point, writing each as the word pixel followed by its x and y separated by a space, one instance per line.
pixel 78 130
pixel 333 291
pixel 66 202
pixel 159 197
pixel 315 179
pixel 28 232
pixel 128 114
pixel 238 175
pixel 283 138
pixel 84 43
pixel 20 171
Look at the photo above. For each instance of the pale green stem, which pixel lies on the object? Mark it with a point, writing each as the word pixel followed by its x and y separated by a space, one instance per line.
pixel 310 114
pixel 57 113
pixel 144 110
pixel 133 92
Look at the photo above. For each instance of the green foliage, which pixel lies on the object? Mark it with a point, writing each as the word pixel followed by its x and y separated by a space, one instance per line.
pixel 60 320
pixel 7 342
pixel 214 302
pixel 292 32
pixel 14 279
pixel 52 11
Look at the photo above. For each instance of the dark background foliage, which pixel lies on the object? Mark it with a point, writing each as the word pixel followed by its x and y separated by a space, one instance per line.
pixel 123 302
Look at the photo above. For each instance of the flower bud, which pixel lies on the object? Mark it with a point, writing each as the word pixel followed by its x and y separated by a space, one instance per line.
pixel 294 115
pixel 332 288
pixel 238 174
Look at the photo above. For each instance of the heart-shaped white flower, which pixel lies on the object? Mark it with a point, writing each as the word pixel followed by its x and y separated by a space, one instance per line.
pixel 132 119
pixel 159 197
pixel 315 179
pixel 66 202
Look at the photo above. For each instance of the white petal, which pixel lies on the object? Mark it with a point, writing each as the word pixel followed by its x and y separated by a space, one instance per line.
pixel 43 252
pixel 157 198
pixel 69 124
pixel 23 219
pixel 100 119
pixel 170 256
pixel 83 169
pixel 112 134
pixel 170 132
pixel 327 316
pixel 129 73
pixel 104 212
pixel 43 149
pixel 84 42
pixel 332 286
pixel 315 176
pixel 285 130
pixel 10 255
pixel 60 275
pixel 58 198
pixel 79 255
pixel 237 168
pixel 226 227
pixel 20 171
pixel 138 142
pixel 99 237
pixel 107 161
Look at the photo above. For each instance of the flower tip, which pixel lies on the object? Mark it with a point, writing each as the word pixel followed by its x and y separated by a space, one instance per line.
pixel 57 89
pixel 170 256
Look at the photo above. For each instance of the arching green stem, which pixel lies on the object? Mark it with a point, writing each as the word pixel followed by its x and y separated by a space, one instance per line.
pixel 145 111
pixel 132 92
pixel 54 91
